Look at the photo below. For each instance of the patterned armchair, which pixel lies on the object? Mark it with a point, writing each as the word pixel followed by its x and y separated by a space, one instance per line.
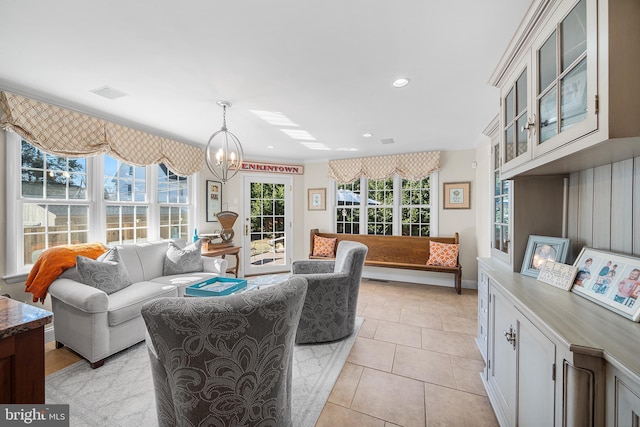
pixel 329 311
pixel 225 361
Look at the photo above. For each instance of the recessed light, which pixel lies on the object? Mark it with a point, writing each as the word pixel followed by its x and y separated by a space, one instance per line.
pixel 367 135
pixel 109 92
pixel 270 147
pixel 401 82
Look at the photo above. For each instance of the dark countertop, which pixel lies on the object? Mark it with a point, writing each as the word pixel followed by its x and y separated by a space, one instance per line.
pixel 17 317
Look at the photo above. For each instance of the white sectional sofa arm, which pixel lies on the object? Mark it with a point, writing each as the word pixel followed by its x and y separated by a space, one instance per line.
pixel 215 265
pixel 83 297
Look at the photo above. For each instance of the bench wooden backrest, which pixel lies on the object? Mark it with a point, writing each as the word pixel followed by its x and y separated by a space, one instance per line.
pixel 393 249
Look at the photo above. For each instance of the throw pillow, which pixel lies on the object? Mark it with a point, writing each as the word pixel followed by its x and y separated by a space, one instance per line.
pixel 107 273
pixel 324 246
pixel 443 254
pixel 183 260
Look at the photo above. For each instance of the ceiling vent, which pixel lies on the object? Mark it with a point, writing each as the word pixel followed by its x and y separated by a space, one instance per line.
pixel 387 141
pixel 109 92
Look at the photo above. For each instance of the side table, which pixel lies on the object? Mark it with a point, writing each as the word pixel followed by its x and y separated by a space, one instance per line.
pixel 223 252
pixel 22 352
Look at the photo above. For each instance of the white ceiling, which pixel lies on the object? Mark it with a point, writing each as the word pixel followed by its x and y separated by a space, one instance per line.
pixel 326 65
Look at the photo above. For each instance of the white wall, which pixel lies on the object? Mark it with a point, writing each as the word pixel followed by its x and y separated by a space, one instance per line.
pixel 456 166
pixel 483 196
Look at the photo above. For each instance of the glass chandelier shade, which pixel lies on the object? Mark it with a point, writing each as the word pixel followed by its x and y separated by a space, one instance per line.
pixel 224 152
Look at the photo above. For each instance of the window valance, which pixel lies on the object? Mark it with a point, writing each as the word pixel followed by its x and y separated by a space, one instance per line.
pixel 412 166
pixel 68 133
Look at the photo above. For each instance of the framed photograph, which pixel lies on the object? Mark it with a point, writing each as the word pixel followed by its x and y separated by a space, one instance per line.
pixel 317 199
pixel 457 195
pixel 610 280
pixel 214 200
pixel 541 249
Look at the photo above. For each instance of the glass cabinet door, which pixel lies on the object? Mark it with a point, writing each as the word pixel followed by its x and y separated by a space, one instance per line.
pixel 515 118
pixel 565 89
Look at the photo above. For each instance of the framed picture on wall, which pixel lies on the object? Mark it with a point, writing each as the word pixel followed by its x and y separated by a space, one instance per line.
pixel 457 195
pixel 541 249
pixel 316 199
pixel 214 200
pixel 610 280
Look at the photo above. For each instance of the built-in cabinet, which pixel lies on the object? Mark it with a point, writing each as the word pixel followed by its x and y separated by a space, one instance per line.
pixel 566 87
pixel 569 108
pixel 554 358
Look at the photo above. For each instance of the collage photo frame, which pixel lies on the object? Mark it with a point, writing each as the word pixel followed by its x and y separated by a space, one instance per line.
pixel 610 280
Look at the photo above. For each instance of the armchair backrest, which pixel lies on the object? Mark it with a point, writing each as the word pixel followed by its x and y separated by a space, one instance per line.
pixel 350 258
pixel 225 360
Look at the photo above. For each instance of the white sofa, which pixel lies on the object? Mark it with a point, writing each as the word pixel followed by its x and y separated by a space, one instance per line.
pixel 97 325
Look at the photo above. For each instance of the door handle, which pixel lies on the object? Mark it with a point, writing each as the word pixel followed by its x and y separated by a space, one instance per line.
pixel 246 230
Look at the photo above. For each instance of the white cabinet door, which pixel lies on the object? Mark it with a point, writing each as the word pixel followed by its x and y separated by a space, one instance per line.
pixel 521 384
pixel 502 357
pixel 627 409
pixel 536 376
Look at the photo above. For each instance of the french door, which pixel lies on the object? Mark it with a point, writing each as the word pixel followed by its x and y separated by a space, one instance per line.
pixel 267 224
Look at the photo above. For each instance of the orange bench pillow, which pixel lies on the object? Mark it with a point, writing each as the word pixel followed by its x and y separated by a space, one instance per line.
pixel 324 246
pixel 443 254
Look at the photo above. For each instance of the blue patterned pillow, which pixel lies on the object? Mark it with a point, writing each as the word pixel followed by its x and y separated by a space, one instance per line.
pixel 107 273
pixel 188 260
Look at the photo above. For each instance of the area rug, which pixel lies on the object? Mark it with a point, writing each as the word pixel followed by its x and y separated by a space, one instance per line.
pixel 120 393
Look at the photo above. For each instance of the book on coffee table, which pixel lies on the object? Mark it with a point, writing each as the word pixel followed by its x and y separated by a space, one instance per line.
pixel 216 286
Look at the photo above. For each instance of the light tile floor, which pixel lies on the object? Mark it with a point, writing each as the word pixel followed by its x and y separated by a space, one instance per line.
pixel 414 362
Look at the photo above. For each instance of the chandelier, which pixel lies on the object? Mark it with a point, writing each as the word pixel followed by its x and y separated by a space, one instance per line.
pixel 224 152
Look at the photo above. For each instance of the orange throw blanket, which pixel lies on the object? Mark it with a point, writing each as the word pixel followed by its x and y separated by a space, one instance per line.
pixel 53 261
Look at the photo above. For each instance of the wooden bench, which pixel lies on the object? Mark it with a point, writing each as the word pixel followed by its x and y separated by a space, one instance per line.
pixel 405 252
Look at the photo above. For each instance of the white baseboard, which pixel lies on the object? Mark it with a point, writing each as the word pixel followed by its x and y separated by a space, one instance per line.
pixel 416 276
pixel 49 334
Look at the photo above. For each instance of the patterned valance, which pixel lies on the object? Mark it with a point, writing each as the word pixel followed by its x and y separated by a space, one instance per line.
pixel 412 166
pixel 64 132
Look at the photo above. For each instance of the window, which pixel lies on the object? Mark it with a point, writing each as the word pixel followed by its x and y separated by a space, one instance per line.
pixel 416 207
pixel 348 208
pixel 124 189
pixel 174 204
pixel 393 206
pixel 54 208
pixel 501 207
pixel 60 201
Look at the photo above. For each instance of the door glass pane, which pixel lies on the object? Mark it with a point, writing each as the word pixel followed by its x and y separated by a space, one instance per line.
pixel 548 115
pixel 574 34
pixel 521 145
pixel 547 63
pixel 573 100
pixel 521 88
pixel 508 107
pixel 267 224
pixel 509 149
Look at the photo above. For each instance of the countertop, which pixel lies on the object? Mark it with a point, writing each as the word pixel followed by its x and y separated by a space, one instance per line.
pixel 17 317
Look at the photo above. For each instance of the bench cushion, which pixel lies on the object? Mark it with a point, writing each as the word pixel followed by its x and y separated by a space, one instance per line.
pixel 324 246
pixel 443 254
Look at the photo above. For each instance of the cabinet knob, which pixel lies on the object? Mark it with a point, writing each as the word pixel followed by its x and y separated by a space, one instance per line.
pixel 511 337
pixel 530 126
